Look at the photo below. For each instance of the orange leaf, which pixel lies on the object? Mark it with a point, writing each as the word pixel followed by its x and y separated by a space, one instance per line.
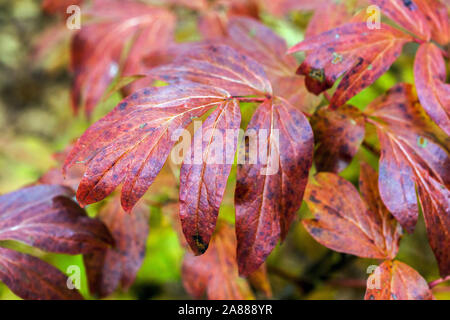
pixel 344 222
pixel 397 281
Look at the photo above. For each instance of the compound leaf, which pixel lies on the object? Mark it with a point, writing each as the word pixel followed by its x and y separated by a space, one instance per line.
pixel 353 50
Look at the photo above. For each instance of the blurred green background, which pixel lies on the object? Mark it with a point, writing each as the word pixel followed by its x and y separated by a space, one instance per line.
pixel 36 121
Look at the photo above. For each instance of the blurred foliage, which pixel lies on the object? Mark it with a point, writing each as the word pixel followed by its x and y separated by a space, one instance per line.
pixel 37 121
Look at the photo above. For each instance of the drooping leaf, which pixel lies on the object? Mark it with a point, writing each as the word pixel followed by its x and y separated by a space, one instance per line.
pixel 205 172
pixel 388 227
pixel 344 222
pixel 339 135
pixel 410 141
pixel 270 188
pixel 414 152
pixel 397 281
pixel 262 44
pixel 45 217
pixel 407 14
pixel 131 144
pixel 33 279
pixel 437 17
pixel 433 92
pixel 435 201
pixel 396 182
pixel 217 65
pixel 119 264
pixel 127 28
pixel 353 50
pixel 216 272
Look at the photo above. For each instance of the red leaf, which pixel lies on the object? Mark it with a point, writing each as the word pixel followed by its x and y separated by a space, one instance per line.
pixel 437 16
pixel 45 217
pixel 410 142
pixel 386 224
pixel 119 264
pixel 407 14
pixel 131 144
pixel 202 185
pixel 216 272
pixel 326 17
pixel 396 182
pixel 269 194
pixel 33 279
pixel 397 281
pixel 217 65
pixel 362 57
pixel 97 48
pixel 262 44
pixel 339 134
pixel 211 25
pixel 435 201
pixel 58 6
pixel 430 76
pixel 345 223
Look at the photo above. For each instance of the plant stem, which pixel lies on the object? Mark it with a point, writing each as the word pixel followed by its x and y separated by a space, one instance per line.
pixel 246 99
pixel 434 283
pixel 327 96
